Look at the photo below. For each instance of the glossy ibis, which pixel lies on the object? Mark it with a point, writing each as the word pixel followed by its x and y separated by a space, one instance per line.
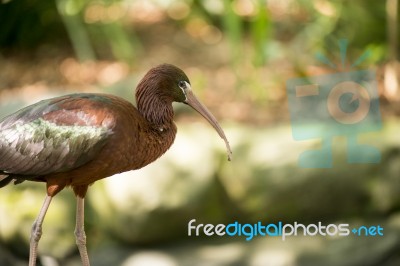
pixel 77 139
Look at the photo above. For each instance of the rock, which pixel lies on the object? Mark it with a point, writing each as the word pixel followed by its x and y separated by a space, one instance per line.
pixel 174 189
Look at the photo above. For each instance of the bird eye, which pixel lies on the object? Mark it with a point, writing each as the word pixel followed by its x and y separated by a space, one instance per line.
pixel 182 84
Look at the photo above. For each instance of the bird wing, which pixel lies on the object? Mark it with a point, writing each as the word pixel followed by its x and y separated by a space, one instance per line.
pixel 54 135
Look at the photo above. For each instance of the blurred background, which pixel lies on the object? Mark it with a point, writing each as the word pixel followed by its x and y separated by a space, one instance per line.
pixel 238 55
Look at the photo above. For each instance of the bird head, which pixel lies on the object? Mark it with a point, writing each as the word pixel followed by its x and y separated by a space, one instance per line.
pixel 174 86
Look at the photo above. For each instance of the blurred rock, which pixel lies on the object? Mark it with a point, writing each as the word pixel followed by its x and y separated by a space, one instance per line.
pixel 175 189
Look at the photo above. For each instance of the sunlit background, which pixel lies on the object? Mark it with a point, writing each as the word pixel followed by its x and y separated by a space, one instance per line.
pixel 238 55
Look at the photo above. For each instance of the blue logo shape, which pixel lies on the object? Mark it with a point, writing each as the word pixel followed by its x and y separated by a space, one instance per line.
pixel 339 104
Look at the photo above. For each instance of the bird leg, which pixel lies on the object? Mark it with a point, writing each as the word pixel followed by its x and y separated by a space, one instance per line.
pixel 36 232
pixel 80 231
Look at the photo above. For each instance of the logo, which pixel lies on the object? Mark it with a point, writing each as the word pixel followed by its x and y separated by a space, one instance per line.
pixel 339 104
pixel 282 230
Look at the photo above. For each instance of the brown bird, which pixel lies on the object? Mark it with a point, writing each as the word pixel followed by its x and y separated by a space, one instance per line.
pixel 77 139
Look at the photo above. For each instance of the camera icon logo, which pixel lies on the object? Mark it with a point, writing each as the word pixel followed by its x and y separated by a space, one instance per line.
pixel 339 104
pixel 359 94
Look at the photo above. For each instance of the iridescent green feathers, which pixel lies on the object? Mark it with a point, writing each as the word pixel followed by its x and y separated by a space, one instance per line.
pixel 41 147
pixel 33 144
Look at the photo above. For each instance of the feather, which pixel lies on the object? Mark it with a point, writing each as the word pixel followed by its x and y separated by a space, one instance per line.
pixel 50 137
pixel 5 180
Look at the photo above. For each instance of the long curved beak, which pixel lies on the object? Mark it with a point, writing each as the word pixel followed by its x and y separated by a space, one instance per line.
pixel 193 102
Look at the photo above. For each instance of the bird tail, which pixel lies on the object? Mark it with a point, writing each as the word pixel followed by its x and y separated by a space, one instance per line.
pixel 5 180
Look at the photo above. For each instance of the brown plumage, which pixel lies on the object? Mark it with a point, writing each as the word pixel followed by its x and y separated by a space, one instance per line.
pixel 134 143
pixel 77 139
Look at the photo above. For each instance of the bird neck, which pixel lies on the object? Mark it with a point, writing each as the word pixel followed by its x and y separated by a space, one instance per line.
pixel 157 111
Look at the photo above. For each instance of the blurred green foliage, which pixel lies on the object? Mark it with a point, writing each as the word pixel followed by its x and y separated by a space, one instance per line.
pixel 101 28
pixel 26 24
